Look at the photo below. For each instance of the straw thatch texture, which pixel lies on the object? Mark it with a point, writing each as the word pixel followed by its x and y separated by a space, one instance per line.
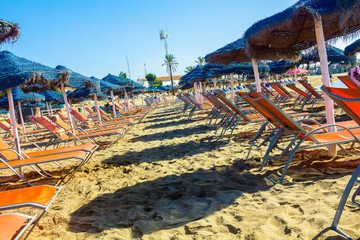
pixel 119 80
pixel 282 66
pixel 19 95
pixel 353 48
pixel 75 79
pixel 244 68
pixel 334 55
pixel 232 52
pixel 285 34
pixel 198 74
pixel 51 96
pixel 17 71
pixel 105 86
pixel 9 32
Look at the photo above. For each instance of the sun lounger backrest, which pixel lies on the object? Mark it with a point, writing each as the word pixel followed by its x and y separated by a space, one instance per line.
pixel 254 105
pixel 348 99
pixel 276 112
pixel 348 82
pixel 48 125
pixel 62 116
pixel 89 110
pixel 6 128
pixel 232 106
pixel 298 90
pixel 265 89
pixel 216 102
pixel 306 84
pixel 7 154
pixel 283 90
pixel 274 86
pixel 79 116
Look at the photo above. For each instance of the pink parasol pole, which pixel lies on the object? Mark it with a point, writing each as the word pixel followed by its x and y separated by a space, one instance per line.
pixel 329 105
pixel 215 83
pixel 295 68
pixel 47 107
pixel 83 108
pixel 51 111
pixel 232 88
pixel 125 101
pixel 97 107
pixel 256 73
pixel 13 121
pixel 113 102
pixel 67 108
pixel 21 117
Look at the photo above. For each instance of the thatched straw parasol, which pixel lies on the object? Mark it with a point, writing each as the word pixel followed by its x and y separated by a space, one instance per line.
pixel 334 55
pixel 285 34
pixel 352 48
pixel 234 52
pixel 9 32
pixel 281 66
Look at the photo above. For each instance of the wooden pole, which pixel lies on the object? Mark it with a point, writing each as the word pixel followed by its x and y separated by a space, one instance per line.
pixel 215 83
pixel 329 105
pixel 256 73
pixel 232 88
pixel 113 103
pixel 67 108
pixel 97 107
pixel 21 117
pixel 295 68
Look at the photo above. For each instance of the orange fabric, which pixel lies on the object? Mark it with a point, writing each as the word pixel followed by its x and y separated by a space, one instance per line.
pixel 84 147
pixel 336 136
pixel 10 224
pixel 38 194
pixel 43 159
pixel 348 82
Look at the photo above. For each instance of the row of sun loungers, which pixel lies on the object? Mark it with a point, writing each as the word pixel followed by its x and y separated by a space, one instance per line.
pixel 88 135
pixel 289 132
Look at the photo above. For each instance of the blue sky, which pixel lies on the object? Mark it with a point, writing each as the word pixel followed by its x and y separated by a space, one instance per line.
pixel 94 37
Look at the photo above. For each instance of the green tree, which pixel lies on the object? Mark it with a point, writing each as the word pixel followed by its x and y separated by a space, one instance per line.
pixel 200 61
pixel 150 77
pixel 189 69
pixel 122 74
pixel 157 83
pixel 171 64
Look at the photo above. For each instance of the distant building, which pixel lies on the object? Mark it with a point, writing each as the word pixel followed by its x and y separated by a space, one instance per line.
pixel 166 80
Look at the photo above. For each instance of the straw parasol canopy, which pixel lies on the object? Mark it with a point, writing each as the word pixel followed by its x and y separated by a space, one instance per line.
pixel 75 79
pixel 281 66
pixel 118 80
pixel 285 34
pixel 51 96
pixel 17 71
pixel 334 55
pixel 20 96
pixel 235 67
pixel 9 32
pixel 353 48
pixel 104 86
pixel 198 74
pixel 232 52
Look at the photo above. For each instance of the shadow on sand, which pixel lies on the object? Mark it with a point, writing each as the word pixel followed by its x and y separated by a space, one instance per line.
pixel 168 202
pixel 162 153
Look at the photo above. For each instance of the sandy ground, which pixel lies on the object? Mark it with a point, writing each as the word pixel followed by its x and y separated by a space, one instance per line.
pixel 169 178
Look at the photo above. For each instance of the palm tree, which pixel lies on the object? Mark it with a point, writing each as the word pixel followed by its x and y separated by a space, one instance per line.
pixel 189 69
pixel 200 61
pixel 171 65
pixel 122 74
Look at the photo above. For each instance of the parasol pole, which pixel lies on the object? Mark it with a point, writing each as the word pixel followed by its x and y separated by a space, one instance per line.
pixel 97 107
pixel 47 107
pixel 200 91
pixel 113 102
pixel 125 101
pixel 67 108
pixel 142 100
pixel 215 83
pixel 232 88
pixel 21 117
pixel 329 105
pixel 51 111
pixel 295 68
pixel 13 121
pixel 256 73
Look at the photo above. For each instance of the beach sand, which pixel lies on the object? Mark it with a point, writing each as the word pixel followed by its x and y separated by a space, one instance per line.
pixel 169 178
